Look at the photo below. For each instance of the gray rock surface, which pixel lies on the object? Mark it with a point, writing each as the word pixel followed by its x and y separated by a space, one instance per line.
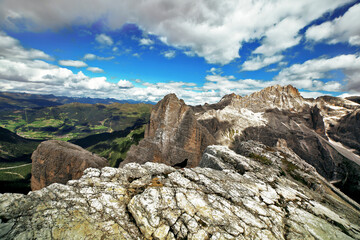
pixel 58 162
pixel 259 193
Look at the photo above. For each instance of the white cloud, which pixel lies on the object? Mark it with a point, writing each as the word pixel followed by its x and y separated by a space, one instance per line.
pixel 104 39
pixel 341 29
pixel 258 62
pixel 281 36
pixel 309 75
pixel 214 30
pixel 90 56
pixel 228 84
pixel 72 63
pixel 311 94
pixel 146 41
pixel 95 69
pixel 125 84
pixel 169 54
pixel 11 48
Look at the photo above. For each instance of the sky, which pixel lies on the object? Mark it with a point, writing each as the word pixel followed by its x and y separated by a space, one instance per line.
pixel 199 50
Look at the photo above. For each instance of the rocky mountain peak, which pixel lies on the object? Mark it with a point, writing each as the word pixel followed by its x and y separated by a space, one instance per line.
pixel 230 97
pixel 277 91
pixel 172 136
pixel 280 97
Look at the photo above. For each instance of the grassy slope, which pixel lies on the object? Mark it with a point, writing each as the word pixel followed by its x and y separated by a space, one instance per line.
pixel 14 148
pixel 75 120
pixel 115 149
pixel 15 162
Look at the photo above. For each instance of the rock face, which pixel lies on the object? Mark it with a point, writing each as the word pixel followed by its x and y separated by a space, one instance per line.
pixel 57 162
pixel 347 130
pixel 172 136
pixel 256 193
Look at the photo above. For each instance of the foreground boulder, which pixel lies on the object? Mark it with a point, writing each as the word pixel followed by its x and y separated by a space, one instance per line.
pixel 256 193
pixel 58 162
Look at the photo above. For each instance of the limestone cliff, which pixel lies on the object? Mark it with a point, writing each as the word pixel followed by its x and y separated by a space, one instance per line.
pixel 256 193
pixel 172 136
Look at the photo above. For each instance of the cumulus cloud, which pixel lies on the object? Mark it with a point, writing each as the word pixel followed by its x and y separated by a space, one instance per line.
pixel 72 63
pixel 341 29
pixel 11 48
pixel 125 84
pixel 214 30
pixel 309 75
pixel 281 36
pixel 104 39
pixel 169 54
pixel 90 56
pixel 228 84
pixel 311 94
pixel 95 69
pixel 146 41
pixel 258 62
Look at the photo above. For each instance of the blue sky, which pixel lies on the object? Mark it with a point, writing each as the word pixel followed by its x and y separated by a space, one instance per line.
pixel 199 50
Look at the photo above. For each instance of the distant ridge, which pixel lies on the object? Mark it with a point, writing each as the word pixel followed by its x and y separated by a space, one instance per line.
pixel 14 101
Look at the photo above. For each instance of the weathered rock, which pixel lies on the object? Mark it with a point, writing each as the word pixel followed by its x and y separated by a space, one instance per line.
pixel 172 136
pixel 58 162
pixel 259 197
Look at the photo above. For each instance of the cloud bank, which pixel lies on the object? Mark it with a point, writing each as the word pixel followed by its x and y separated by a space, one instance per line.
pixel 214 30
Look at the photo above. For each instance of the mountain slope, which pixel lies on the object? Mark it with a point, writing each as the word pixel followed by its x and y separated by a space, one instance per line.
pixel 13 146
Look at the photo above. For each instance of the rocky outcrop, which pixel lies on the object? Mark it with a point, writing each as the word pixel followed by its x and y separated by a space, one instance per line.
pixel 172 136
pixel 257 193
pixel 58 162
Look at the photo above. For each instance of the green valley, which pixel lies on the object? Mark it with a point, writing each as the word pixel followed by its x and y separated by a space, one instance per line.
pixel 74 120
pixel 105 129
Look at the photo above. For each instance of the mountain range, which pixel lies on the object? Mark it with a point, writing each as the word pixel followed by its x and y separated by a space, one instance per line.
pixel 323 131
pixel 13 101
pixel 270 165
